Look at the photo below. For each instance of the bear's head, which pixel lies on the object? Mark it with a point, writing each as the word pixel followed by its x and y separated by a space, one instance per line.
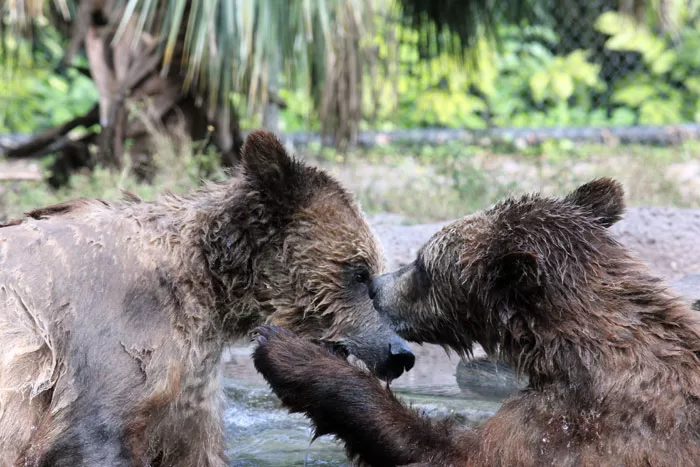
pixel 294 250
pixel 524 274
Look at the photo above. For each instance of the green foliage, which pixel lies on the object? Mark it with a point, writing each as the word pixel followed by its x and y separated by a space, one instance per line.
pixel 538 88
pixel 560 77
pixel 523 83
pixel 33 96
pixel 299 112
pixel 519 83
pixel 668 89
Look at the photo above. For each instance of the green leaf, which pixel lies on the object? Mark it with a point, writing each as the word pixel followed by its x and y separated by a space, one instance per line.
pixel 539 82
pixel 612 23
pixel 623 116
pixel 626 40
pixel 634 95
pixel 660 111
pixel 651 48
pixel 577 64
pixel 562 85
pixel 693 84
pixel 664 62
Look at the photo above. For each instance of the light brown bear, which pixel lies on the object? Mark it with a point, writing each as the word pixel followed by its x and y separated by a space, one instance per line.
pixel 612 356
pixel 113 316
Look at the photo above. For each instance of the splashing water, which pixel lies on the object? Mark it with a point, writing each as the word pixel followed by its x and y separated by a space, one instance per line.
pixel 261 433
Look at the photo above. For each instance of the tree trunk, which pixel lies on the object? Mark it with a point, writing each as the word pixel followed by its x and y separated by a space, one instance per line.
pixel 128 78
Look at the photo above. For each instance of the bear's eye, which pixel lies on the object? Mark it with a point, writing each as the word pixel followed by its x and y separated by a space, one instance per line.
pixel 361 276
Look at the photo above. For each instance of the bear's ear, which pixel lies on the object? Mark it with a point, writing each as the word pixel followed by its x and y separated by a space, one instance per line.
pixel 604 198
pixel 519 271
pixel 268 167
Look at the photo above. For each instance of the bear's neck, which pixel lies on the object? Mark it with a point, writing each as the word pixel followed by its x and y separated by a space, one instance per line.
pixel 632 329
pixel 234 236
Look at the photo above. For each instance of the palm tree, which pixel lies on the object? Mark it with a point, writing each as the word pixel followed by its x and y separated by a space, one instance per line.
pixel 179 60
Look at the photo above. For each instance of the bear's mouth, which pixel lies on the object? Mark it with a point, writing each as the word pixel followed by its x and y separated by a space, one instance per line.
pixel 341 351
pixel 387 361
pixel 337 348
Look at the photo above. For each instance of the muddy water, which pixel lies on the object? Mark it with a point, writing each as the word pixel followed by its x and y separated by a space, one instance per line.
pixel 261 433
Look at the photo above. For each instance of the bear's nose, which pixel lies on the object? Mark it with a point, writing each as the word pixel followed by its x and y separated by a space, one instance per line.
pixel 401 354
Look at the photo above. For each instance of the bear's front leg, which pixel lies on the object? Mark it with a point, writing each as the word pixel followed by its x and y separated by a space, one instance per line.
pixel 350 403
pixel 193 435
pixel 202 440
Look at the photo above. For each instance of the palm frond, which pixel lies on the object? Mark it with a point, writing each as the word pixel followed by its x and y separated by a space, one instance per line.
pixel 221 46
pixel 234 45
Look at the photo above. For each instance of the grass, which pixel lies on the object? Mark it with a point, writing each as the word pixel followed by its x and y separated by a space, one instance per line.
pixel 181 166
pixel 428 183
pixel 420 183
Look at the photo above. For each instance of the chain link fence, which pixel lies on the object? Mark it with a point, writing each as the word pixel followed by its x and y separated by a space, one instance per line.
pixel 647 70
pixel 585 64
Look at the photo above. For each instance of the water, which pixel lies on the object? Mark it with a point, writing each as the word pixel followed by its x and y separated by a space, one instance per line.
pixel 261 433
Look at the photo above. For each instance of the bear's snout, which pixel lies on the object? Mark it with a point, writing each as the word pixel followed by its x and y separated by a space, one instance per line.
pixel 402 356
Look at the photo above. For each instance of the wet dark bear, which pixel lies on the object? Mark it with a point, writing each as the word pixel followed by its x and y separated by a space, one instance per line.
pixel 611 354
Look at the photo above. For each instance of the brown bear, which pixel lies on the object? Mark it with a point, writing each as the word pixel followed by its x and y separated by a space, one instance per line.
pixel 611 354
pixel 113 315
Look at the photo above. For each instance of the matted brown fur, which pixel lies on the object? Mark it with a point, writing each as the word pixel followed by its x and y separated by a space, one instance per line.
pixel 612 355
pixel 113 316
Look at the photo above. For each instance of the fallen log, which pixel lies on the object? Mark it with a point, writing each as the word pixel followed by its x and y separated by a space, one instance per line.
pixel 20 176
pixel 39 143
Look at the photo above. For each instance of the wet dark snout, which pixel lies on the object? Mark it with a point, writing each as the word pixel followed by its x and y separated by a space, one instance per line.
pixel 383 351
pixel 401 356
